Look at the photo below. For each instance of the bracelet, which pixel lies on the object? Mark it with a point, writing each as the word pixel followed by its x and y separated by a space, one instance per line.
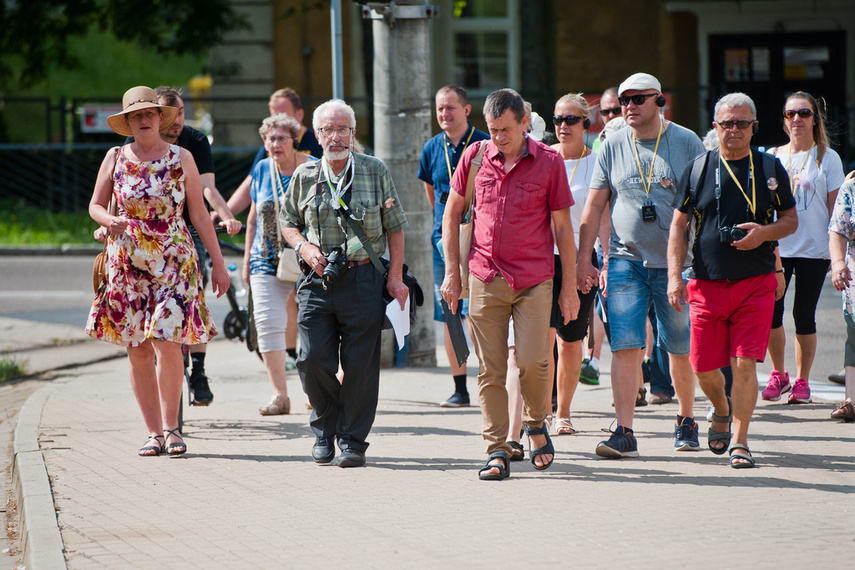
pixel 298 246
pixel 779 271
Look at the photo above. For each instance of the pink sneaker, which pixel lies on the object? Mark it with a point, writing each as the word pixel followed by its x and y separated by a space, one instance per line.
pixel 800 393
pixel 776 386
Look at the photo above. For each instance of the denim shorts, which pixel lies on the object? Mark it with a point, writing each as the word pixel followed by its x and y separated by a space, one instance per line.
pixel 438 276
pixel 631 288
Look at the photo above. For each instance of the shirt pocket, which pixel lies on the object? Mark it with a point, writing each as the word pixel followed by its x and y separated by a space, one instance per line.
pixel 532 195
pixel 370 219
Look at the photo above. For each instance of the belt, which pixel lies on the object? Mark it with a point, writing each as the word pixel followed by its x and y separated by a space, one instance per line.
pixel 355 263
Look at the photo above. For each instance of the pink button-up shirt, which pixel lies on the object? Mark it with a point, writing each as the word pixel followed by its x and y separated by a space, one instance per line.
pixel 513 232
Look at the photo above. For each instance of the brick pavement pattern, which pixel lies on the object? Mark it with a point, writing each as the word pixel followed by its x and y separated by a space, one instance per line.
pixel 247 495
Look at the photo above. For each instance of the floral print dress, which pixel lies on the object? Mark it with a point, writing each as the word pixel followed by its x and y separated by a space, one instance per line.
pixel 153 288
pixel 843 223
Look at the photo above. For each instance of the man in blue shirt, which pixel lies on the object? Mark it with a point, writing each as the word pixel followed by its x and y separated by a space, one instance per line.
pixel 436 167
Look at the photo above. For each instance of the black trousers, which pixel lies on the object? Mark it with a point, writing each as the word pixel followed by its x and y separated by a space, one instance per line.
pixel 343 323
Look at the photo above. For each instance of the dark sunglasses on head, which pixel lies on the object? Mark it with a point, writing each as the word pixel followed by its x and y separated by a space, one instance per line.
pixel 741 125
pixel 803 113
pixel 637 99
pixel 612 111
pixel 569 119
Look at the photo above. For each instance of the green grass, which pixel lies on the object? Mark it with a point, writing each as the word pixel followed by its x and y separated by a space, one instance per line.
pixel 21 224
pixel 11 368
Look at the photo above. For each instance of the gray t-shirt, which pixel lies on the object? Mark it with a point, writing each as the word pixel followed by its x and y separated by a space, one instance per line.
pixel 631 237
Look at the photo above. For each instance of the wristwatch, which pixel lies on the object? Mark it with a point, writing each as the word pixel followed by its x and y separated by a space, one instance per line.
pixel 298 246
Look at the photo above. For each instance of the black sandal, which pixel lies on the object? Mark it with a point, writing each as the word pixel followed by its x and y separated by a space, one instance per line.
pixel 504 469
pixel 545 450
pixel 724 436
pixel 171 448
pixel 518 453
pixel 156 448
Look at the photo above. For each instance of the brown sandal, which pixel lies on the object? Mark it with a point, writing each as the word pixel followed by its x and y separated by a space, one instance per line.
pixel 845 411
pixel 278 406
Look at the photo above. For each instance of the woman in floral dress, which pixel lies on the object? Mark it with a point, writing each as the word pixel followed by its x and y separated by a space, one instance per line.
pixel 153 301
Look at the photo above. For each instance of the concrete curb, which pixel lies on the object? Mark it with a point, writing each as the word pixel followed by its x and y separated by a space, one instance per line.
pixel 65 249
pixel 41 540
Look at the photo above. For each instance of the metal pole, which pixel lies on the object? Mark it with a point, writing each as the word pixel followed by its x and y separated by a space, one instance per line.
pixel 335 23
pixel 402 115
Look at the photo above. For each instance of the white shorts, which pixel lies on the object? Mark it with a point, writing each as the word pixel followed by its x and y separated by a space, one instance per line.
pixel 269 298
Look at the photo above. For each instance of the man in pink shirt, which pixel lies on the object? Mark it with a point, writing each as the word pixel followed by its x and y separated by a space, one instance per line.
pixel 521 201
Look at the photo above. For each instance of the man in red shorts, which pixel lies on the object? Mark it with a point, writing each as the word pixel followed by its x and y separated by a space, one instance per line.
pixel 732 194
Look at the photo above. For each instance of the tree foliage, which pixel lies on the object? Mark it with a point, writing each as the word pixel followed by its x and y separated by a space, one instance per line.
pixel 34 34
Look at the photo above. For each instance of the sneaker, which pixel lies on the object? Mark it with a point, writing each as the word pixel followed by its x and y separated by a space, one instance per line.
pixel 686 436
pixel 621 444
pixel 800 393
pixel 200 393
pixel 589 375
pixel 290 364
pixel 457 400
pixel 776 386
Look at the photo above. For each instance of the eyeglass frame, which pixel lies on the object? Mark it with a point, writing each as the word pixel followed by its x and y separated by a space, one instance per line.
pixel 336 130
pixel 637 100
pixel 281 139
pixel 736 124
pixel 790 114
pixel 569 120
pixel 612 111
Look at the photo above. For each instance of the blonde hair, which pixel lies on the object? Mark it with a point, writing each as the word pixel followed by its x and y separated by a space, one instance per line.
pixel 579 100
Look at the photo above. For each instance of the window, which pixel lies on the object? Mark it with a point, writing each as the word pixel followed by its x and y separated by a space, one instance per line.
pixel 485 45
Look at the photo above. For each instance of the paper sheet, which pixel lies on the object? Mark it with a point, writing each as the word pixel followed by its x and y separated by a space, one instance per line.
pixel 400 320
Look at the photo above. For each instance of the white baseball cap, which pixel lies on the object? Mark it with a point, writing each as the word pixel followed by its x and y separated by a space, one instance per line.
pixel 639 82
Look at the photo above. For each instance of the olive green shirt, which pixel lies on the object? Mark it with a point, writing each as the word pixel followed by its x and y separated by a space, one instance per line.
pixel 372 198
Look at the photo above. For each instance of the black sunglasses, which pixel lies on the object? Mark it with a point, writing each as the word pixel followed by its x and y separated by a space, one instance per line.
pixel 803 113
pixel 612 111
pixel 569 119
pixel 637 99
pixel 741 125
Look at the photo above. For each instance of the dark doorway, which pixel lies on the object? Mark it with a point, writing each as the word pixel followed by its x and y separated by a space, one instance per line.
pixel 770 67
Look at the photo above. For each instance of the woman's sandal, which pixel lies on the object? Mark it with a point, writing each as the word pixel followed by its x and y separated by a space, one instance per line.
pixel 641 398
pixel 504 469
pixel 278 406
pixel 174 448
pixel 547 449
pixel 735 455
pixel 723 436
pixel 563 426
pixel 157 449
pixel 518 453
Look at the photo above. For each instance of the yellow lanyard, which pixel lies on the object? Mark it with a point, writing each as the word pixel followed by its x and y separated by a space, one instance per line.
pixel 638 162
pixel 572 174
pixel 752 203
pixel 448 160
pixel 794 176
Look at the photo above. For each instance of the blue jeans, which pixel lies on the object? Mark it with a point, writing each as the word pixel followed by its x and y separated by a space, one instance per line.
pixel 631 290
pixel 438 276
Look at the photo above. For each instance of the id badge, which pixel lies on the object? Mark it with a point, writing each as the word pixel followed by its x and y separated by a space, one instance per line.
pixel 353 245
pixel 648 212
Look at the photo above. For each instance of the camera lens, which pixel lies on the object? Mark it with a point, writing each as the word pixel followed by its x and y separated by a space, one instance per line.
pixel 737 234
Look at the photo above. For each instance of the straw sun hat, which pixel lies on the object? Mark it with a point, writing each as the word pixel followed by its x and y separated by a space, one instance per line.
pixel 135 99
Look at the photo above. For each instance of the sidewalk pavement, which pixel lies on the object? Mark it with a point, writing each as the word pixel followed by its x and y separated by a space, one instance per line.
pixel 247 494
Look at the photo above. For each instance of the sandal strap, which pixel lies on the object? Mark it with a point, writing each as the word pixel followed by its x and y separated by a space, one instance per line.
pixel 739 446
pixel 542 430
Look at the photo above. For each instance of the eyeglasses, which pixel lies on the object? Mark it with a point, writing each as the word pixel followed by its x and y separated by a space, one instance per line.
pixel 612 111
pixel 340 131
pixel 273 140
pixel 741 125
pixel 803 113
pixel 638 100
pixel 570 120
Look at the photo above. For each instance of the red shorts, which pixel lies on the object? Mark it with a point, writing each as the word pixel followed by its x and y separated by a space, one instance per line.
pixel 730 319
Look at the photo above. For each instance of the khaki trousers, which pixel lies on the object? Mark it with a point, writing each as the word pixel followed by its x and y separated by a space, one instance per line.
pixel 491 305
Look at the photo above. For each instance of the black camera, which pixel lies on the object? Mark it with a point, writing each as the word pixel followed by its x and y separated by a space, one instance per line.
pixel 335 263
pixel 731 234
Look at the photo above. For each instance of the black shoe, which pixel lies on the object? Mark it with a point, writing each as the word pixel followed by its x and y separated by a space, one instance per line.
pixel 200 393
pixel 457 400
pixel 838 377
pixel 351 458
pixel 323 450
pixel 622 443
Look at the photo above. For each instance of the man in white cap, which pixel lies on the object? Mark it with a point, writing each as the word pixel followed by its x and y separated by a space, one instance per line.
pixel 636 177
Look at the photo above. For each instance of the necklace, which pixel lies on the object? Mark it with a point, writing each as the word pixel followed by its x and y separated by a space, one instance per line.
pixel 794 176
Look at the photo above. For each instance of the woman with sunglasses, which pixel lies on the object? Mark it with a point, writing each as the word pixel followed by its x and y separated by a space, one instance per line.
pixel 816 174
pixel 571 120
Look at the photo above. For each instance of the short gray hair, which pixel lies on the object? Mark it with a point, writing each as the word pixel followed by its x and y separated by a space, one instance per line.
pixel 328 108
pixel 280 121
pixel 735 100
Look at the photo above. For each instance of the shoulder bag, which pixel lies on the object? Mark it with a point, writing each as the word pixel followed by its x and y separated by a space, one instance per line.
pixel 467 223
pixel 289 266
